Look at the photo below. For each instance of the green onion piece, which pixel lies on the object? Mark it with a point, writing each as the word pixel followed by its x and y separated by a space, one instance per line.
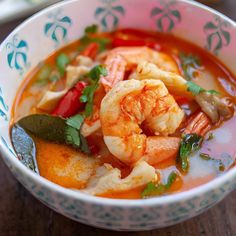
pixel 62 61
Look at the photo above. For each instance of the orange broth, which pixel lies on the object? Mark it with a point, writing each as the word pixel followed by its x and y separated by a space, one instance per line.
pixel 52 157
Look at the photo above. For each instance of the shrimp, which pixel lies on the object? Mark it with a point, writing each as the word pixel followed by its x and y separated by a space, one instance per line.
pixel 211 104
pixel 199 124
pixel 122 59
pixel 131 104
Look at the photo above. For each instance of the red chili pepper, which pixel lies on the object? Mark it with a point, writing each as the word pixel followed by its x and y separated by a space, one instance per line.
pixel 182 100
pixel 91 50
pixel 70 104
pixel 119 42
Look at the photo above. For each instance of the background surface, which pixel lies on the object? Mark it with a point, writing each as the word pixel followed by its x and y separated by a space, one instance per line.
pixel 22 214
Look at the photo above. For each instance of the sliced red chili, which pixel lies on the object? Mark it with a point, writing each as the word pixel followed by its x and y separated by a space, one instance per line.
pixel 91 50
pixel 70 104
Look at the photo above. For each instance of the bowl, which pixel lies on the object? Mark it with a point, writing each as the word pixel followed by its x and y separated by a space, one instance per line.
pixel 50 29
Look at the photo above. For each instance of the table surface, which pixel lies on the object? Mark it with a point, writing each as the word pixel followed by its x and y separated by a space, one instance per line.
pixel 22 214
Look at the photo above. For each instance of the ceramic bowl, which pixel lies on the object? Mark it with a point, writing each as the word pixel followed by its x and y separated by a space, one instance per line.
pixel 62 23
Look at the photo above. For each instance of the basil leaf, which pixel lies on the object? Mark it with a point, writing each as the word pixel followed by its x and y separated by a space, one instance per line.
pixel 188 145
pixel 190 64
pixel 62 61
pixel 153 189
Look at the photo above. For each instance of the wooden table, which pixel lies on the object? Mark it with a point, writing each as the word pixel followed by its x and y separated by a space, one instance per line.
pixel 22 214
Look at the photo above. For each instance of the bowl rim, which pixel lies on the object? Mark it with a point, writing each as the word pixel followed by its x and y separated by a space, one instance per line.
pixel 80 196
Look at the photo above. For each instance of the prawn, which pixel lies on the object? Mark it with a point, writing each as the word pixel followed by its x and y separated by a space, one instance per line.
pixel 131 104
pixel 122 59
pixel 211 104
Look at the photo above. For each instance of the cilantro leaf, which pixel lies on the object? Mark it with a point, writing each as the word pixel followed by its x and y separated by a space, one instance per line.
pixel 88 93
pixel 153 189
pixel 72 136
pixel 190 64
pixel 188 145
pixel 75 121
pixel 62 61
pixel 88 39
pixel 84 145
pixel 213 91
pixel 194 88
pixel 91 29
pixel 96 72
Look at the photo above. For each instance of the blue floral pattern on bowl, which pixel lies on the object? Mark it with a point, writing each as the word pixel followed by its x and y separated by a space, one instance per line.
pixel 65 22
pixel 57 27
pixel 17 53
pixel 109 9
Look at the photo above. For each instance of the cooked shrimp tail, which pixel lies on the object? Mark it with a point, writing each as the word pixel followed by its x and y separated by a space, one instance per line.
pixel 199 124
pixel 122 59
pixel 211 104
pixel 132 103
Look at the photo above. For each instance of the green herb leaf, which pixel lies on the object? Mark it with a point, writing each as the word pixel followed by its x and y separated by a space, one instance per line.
pixel 190 64
pixel 75 121
pixel 189 144
pixel 56 129
pixel 88 92
pixel 62 61
pixel 72 136
pixel 213 91
pixel 87 39
pixel 96 72
pixel 218 162
pixel 194 88
pixel 153 189
pixel 89 106
pixel 92 29
pixel 84 145
pixel 51 128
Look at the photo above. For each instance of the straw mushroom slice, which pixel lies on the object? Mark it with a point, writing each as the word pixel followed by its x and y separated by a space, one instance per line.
pixel 108 179
pixel 51 98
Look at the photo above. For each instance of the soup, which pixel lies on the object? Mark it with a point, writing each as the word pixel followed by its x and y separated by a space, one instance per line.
pixel 126 114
